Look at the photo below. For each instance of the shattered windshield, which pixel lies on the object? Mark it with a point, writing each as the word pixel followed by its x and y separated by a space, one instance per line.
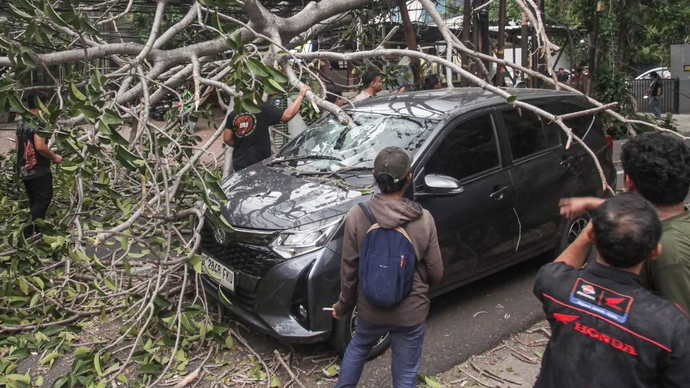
pixel 331 146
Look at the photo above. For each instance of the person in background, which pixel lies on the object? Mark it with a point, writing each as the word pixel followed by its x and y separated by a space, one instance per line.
pixel 405 321
pixel 33 163
pixel 371 84
pixel 562 75
pixel 432 81
pixel 335 97
pixel 248 132
pixel 655 92
pixel 657 166
pixel 606 329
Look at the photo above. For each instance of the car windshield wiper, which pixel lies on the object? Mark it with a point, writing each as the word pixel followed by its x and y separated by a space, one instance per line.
pixel 303 157
pixel 353 169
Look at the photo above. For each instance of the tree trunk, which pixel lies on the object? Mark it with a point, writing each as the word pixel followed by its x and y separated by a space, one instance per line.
pixel 411 40
pixel 500 79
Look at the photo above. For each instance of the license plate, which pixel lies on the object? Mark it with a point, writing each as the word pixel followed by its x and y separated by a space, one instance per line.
pixel 219 273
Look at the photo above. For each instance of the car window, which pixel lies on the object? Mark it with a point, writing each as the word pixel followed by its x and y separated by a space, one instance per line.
pixel 469 149
pixel 587 128
pixel 527 133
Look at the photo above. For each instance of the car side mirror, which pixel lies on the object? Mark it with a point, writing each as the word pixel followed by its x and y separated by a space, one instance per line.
pixel 442 184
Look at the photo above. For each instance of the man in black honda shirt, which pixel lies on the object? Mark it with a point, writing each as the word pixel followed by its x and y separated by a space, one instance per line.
pixel 33 164
pixel 247 133
pixel 608 331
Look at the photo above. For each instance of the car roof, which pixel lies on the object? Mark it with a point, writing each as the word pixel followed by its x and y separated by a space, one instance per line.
pixel 436 104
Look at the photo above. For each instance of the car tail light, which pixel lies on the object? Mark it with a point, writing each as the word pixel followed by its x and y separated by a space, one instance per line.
pixel 609 142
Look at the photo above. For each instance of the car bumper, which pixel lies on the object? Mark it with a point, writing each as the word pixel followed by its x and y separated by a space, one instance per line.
pixel 270 306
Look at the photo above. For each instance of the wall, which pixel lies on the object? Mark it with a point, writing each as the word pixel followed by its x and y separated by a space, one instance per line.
pixel 680 57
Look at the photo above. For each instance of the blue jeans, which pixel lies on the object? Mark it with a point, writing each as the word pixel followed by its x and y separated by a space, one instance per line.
pixel 406 345
pixel 655 106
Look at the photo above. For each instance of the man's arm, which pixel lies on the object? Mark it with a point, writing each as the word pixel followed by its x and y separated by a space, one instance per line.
pixel 574 207
pixel 293 109
pixel 658 91
pixel 349 266
pixel 576 254
pixel 229 137
pixel 433 261
pixel 43 149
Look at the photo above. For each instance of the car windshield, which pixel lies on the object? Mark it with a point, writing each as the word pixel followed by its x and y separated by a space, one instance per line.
pixel 329 145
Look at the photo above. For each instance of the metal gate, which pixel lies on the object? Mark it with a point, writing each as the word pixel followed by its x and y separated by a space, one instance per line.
pixel 669 97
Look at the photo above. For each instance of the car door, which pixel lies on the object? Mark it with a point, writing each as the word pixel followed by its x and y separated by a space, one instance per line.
pixel 475 223
pixel 541 175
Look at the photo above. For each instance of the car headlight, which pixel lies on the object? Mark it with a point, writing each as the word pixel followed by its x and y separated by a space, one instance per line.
pixel 306 238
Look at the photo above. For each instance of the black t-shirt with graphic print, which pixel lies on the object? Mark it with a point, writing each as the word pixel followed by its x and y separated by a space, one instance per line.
pixel 30 163
pixel 252 139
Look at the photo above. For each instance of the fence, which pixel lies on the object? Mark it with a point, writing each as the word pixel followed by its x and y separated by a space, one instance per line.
pixel 669 98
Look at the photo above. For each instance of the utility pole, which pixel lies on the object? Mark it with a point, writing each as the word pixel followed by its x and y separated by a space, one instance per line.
pixel 593 43
pixel 483 17
pixel 411 42
pixel 466 15
pixel 501 40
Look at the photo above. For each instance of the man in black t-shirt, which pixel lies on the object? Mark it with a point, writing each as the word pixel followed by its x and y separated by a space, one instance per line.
pixel 247 133
pixel 33 165
pixel 654 93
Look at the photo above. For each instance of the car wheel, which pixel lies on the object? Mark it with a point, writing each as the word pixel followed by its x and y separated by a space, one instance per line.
pixel 343 330
pixel 573 229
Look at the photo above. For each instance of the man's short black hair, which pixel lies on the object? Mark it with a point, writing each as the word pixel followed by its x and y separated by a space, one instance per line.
pixel 369 77
pixel 334 95
pixel 431 81
pixel 659 166
pixel 36 95
pixel 626 230
pixel 654 75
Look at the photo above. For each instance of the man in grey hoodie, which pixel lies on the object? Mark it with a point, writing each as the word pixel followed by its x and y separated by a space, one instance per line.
pixel 406 320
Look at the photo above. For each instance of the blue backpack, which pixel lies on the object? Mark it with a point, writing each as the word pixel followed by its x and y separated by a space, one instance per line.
pixel 387 263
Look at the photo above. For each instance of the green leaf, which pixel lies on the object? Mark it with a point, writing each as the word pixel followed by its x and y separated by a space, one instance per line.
pixel 195 261
pixel 34 300
pixel 111 117
pixel 20 353
pixel 23 286
pixel 257 67
pixel 275 381
pixel 53 330
pixel 150 369
pixel 511 100
pixel 276 85
pixel 331 371
pixel 20 13
pixel 48 358
pixel 538 354
pixel 188 323
pixel 89 112
pixel 67 168
pixel 38 282
pixel 277 75
pixel 432 383
pixel 16 105
pixel 79 95
pixel 109 283
pixel 123 379
pixel 88 28
pixel 230 342
pixel 38 382
pixel 97 364
pixel 81 350
pixel 61 382
pixel 52 15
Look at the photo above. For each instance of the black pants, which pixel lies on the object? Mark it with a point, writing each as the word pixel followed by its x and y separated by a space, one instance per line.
pixel 40 191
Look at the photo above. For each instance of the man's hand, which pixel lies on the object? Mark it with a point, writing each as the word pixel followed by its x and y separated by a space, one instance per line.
pixel 335 312
pixel 57 159
pixel 402 89
pixel 574 207
pixel 303 90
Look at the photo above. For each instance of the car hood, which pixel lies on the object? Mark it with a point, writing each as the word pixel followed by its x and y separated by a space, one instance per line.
pixel 274 198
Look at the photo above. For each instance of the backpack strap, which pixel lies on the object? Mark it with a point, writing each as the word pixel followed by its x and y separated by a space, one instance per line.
pixel 367 211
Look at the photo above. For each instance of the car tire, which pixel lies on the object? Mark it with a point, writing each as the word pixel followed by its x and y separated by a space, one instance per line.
pixel 344 328
pixel 572 229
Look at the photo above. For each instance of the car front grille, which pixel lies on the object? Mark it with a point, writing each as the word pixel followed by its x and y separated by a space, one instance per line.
pixel 247 259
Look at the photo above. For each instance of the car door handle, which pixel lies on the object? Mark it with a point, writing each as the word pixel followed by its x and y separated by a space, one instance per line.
pixel 498 193
pixel 568 161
